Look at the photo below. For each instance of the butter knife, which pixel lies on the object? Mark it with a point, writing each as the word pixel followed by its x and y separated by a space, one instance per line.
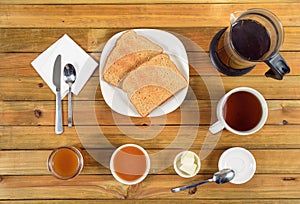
pixel 56 81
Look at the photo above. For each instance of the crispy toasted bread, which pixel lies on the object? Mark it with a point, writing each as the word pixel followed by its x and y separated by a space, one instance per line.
pixel 152 83
pixel 130 51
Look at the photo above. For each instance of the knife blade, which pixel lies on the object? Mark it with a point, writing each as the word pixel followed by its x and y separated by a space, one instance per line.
pixel 56 81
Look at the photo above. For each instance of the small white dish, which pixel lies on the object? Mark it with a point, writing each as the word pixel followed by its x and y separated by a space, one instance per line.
pixel 177 163
pixel 241 161
pixel 118 100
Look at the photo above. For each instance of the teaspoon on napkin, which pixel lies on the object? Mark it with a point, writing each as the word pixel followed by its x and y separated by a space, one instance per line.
pixel 69 77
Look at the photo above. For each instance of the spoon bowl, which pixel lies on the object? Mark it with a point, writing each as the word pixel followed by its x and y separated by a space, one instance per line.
pixel 69 74
pixel 69 77
pixel 223 176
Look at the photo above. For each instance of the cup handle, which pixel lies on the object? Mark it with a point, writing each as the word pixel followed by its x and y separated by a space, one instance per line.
pixel 216 127
pixel 278 67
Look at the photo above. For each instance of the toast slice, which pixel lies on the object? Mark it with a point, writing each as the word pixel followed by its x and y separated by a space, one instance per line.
pixel 130 51
pixel 152 83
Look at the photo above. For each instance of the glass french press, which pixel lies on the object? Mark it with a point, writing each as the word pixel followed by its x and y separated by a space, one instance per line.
pixel 254 35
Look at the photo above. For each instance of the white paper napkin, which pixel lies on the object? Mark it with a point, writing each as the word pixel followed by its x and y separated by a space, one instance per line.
pixel 70 53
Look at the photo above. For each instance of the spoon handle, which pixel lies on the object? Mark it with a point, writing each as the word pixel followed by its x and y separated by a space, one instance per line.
pixel 70 108
pixel 175 190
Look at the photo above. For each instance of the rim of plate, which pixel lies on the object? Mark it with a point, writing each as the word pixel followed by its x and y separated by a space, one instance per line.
pixel 250 158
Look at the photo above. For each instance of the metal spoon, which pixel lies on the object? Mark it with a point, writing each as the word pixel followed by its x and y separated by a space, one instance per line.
pixel 223 176
pixel 69 77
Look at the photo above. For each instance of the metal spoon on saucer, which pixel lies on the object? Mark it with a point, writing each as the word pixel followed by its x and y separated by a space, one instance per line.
pixel 69 77
pixel 223 176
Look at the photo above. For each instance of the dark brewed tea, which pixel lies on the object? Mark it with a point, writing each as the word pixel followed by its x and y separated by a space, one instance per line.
pixel 242 111
pixel 250 39
pixel 130 163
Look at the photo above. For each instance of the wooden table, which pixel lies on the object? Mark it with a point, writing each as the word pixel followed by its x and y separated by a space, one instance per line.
pixel 27 104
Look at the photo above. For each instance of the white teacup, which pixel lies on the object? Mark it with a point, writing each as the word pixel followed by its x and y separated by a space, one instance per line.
pixel 129 162
pixel 223 106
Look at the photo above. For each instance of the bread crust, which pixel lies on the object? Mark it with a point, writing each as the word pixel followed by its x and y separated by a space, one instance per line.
pixel 153 83
pixel 130 51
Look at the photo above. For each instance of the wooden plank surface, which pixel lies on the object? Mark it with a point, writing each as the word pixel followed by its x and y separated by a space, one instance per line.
pixel 21 88
pixel 93 40
pixel 263 186
pixel 92 113
pixel 43 137
pixel 139 1
pixel 124 16
pixel 175 201
pixel 27 105
pixel 17 64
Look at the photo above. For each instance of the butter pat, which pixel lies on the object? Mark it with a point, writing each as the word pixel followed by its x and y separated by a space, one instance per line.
pixel 187 164
pixel 187 158
pixel 188 168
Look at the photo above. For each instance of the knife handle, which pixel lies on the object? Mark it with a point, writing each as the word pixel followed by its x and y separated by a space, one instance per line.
pixel 58 118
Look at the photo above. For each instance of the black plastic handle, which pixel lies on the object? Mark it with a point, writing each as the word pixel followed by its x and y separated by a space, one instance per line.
pixel 278 67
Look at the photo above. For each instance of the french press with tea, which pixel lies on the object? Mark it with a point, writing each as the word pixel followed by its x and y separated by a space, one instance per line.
pixel 255 35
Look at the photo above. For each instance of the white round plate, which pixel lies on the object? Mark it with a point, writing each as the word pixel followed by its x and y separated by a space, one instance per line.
pixel 117 99
pixel 241 161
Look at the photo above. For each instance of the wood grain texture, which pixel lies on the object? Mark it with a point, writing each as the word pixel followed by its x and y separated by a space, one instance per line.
pixel 94 113
pixel 138 1
pixel 262 186
pixel 201 87
pixel 93 39
pixel 124 16
pixel 17 64
pixel 44 138
pixel 168 201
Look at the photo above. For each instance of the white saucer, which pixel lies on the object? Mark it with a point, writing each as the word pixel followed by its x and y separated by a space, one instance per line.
pixel 241 161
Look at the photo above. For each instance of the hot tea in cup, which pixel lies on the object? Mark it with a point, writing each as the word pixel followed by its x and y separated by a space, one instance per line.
pixel 242 111
pixel 130 164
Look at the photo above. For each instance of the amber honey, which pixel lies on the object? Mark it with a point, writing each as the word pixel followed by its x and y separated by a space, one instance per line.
pixel 130 163
pixel 65 162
